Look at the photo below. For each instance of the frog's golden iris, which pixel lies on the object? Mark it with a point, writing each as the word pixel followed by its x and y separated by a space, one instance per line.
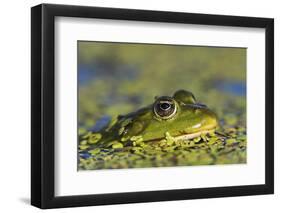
pixel 165 107
pixel 178 116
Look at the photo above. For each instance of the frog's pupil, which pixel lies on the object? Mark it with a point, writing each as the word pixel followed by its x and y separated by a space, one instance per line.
pixel 165 106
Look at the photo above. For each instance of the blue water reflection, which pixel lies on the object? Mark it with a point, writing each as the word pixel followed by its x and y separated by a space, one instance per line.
pixel 233 87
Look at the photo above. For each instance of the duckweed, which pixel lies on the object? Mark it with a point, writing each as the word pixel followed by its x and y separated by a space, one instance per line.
pixel 208 149
pixel 117 145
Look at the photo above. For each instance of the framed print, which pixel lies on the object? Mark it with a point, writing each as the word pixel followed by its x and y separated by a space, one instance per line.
pixel 139 106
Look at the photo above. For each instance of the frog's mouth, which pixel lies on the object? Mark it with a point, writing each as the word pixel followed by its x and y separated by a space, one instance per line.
pixel 193 135
pixel 186 136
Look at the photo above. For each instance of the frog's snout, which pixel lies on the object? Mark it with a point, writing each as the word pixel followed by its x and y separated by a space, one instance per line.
pixel 209 118
pixel 212 119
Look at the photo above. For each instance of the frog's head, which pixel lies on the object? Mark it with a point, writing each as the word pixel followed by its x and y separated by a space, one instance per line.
pixel 179 115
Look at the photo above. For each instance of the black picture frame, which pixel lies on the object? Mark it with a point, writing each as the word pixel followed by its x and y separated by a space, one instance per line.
pixel 43 102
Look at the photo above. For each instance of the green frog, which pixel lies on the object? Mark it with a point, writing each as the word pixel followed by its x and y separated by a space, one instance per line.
pixel 178 117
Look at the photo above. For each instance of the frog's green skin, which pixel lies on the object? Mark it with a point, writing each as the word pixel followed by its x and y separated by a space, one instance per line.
pixel 189 121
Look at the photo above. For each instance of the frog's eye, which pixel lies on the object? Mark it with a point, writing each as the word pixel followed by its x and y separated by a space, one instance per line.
pixel 184 97
pixel 165 107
